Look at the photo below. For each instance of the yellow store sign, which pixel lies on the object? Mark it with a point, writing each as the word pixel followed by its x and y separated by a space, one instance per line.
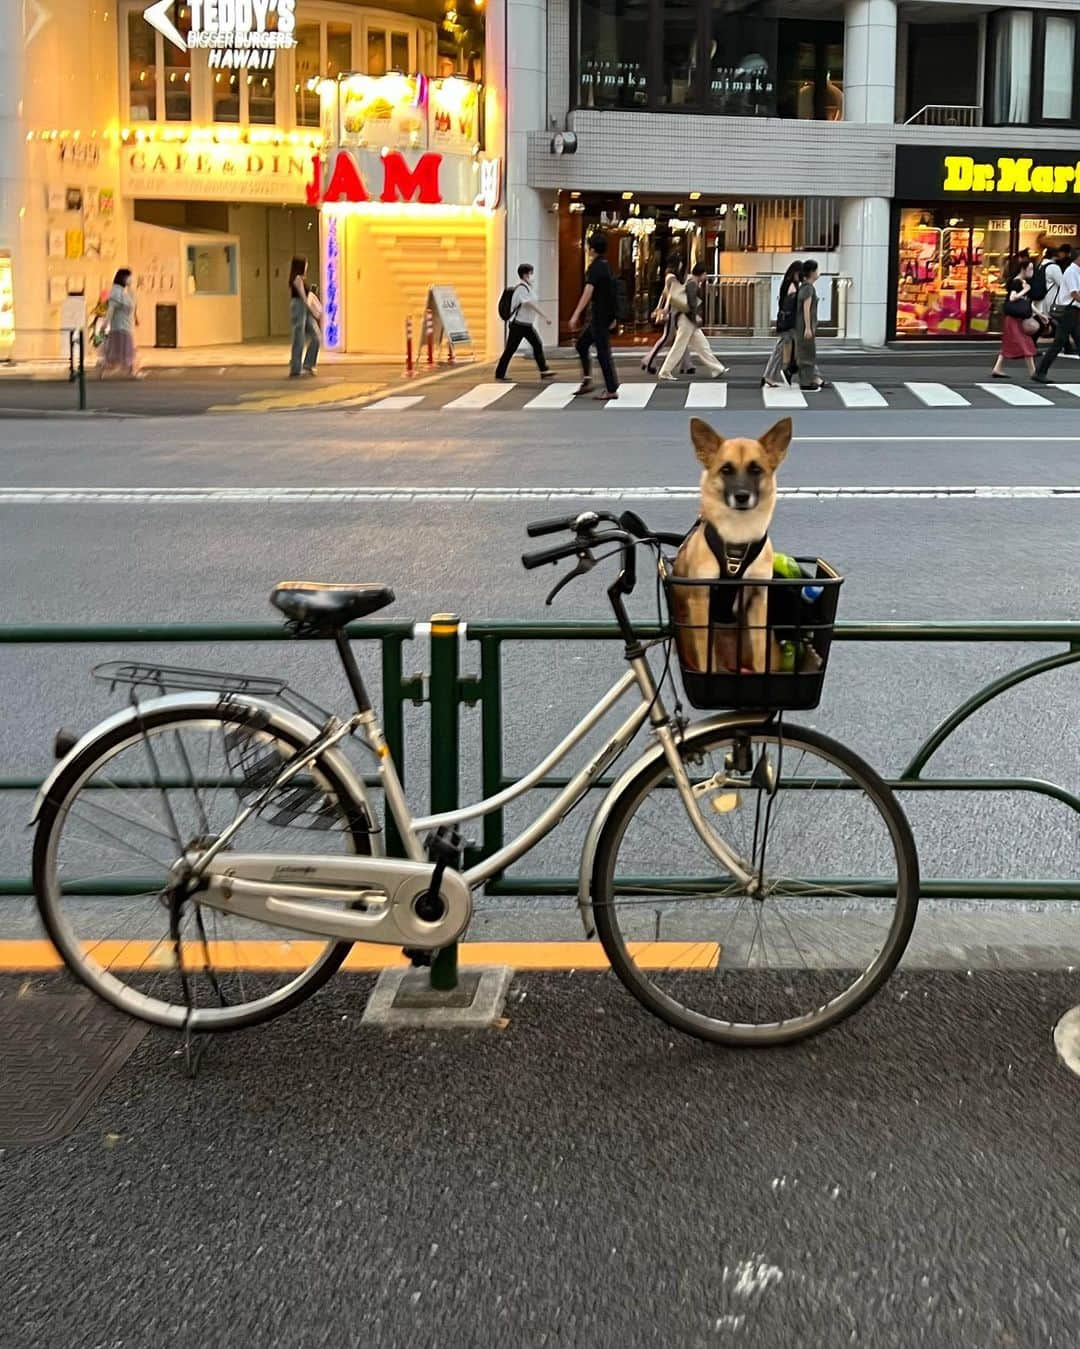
pixel 1009 176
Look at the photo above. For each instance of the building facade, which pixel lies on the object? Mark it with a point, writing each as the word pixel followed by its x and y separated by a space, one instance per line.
pixel 909 147
pixel 205 143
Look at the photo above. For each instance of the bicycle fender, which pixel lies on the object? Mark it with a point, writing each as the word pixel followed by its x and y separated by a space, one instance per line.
pixel 283 716
pixel 587 865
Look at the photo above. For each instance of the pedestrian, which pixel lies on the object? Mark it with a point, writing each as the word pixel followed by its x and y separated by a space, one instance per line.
pixel 806 307
pixel 600 298
pixel 783 354
pixel 121 320
pixel 1018 322
pixel 302 321
pixel 1066 316
pixel 1046 285
pixel 662 313
pixel 688 334
pixel 524 312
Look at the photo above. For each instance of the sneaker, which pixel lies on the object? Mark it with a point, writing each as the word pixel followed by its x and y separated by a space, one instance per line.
pixel 667 379
pixel 547 374
pixel 584 387
pixel 715 374
pixel 1040 379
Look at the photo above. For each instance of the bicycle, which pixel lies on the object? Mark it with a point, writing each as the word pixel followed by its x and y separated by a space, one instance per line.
pixel 720 871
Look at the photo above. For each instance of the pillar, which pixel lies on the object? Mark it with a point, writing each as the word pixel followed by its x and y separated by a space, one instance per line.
pixel 517 49
pixel 13 151
pixel 870 61
pixel 864 256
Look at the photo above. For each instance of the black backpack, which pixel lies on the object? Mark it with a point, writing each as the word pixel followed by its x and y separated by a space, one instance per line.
pixel 785 314
pixel 1038 282
pixel 506 304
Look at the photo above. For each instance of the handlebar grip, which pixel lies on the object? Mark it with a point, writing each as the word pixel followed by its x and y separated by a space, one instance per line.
pixel 545 555
pixel 539 527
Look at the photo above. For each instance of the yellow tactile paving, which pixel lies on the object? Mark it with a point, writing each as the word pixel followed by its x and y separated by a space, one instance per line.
pixel 306 393
pixel 39 955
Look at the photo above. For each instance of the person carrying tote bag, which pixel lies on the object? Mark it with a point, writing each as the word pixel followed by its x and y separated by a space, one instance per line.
pixel 1018 321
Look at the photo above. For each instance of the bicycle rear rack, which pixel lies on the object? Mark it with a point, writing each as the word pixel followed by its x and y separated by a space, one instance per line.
pixel 181 679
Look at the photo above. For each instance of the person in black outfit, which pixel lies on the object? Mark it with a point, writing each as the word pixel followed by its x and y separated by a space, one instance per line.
pixel 524 312
pixel 599 296
pixel 1066 313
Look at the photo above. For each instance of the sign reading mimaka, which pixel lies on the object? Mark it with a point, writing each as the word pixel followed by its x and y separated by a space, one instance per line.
pixel 933 173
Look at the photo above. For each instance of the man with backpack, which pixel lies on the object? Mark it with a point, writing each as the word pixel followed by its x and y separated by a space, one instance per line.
pixel 601 297
pixel 518 308
pixel 1046 285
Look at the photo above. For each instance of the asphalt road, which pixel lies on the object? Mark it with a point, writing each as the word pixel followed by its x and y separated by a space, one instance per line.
pixel 583 1177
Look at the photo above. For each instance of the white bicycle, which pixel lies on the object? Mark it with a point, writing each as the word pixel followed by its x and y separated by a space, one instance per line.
pixel 205 858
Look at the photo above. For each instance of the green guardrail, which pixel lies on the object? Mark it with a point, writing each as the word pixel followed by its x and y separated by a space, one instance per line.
pixel 445 690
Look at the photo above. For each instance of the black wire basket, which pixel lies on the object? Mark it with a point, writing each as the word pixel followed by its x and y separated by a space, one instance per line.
pixel 776 666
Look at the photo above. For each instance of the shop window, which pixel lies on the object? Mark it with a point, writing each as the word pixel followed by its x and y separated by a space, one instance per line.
pixel 211 269
pixel 308 66
pixel 1011 48
pixel 742 75
pixel 708 54
pixel 142 70
pixel 1059 55
pixel 613 47
pixel 262 98
pixel 177 71
pixel 225 96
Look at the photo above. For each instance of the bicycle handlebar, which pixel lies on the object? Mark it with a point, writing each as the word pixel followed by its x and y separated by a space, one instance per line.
pixel 545 555
pixel 539 527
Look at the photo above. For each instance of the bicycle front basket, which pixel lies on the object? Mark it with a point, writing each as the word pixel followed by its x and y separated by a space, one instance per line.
pixel 776 666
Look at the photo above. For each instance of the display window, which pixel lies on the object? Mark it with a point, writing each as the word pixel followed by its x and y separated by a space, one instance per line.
pixel 951 268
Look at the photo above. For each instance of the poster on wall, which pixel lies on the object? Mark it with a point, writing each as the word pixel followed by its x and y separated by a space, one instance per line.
pixel 56 244
pixel 73 244
pixel 383 110
pixel 55 199
pixel 92 246
pixel 73 198
pixel 7 300
pixel 90 202
pixel 57 289
pixel 453 115
pixel 106 201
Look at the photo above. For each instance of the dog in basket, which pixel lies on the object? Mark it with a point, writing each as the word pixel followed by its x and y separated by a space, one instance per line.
pixel 731 540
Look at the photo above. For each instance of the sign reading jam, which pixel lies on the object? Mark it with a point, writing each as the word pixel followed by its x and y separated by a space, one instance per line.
pixel 399 182
pixel 942 173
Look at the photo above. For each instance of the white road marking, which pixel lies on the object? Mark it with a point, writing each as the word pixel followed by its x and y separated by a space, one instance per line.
pixel 783 397
pixel 395 404
pixel 480 396
pixel 938 396
pixel 552 398
pixel 1070 388
pixel 857 394
pixel 711 395
pixel 1017 395
pixel 631 396
pixel 169 496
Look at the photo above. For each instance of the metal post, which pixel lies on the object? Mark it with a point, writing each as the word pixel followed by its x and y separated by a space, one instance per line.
pixel 82 369
pixel 491 763
pixel 429 325
pixel 409 365
pixel 445 744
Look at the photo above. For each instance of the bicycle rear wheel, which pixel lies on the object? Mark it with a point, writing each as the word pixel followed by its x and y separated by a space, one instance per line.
pixel 134 801
pixel 816 933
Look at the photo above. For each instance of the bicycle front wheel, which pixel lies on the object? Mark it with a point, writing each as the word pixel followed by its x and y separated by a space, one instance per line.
pixel 145 793
pixel 815 932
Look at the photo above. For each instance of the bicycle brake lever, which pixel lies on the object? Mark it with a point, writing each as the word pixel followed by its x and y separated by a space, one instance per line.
pixel 586 562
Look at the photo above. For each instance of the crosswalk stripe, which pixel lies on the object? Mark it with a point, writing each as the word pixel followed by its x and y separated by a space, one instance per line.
pixel 481 396
pixel 938 395
pixel 553 397
pixel 783 397
pixel 1017 395
pixel 398 403
pixel 711 395
pixel 857 394
pixel 1069 388
pixel 632 396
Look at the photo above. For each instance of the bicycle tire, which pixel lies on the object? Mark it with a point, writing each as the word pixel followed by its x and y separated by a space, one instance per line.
pixel 662 1005
pixel 46 840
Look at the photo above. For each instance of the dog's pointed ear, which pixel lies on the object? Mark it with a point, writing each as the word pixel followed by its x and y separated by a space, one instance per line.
pixel 705 440
pixel 775 442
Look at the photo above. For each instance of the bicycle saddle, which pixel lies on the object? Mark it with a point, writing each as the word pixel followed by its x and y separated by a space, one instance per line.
pixel 329 605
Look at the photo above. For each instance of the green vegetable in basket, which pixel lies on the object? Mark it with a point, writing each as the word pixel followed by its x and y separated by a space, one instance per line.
pixel 787 657
pixel 785 566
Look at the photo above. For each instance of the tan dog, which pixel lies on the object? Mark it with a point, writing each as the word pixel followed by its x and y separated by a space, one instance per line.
pixel 738 496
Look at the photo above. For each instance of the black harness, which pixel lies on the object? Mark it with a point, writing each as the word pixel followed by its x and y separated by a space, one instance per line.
pixel 733 559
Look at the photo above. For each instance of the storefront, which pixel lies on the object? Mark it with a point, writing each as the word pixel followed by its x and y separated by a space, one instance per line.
pixel 959 215
pixel 156 138
pixel 743 242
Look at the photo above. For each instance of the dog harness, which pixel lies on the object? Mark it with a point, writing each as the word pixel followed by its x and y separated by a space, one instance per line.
pixel 733 560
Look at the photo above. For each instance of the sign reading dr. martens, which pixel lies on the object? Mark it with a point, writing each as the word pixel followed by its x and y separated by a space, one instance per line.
pixel 945 173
